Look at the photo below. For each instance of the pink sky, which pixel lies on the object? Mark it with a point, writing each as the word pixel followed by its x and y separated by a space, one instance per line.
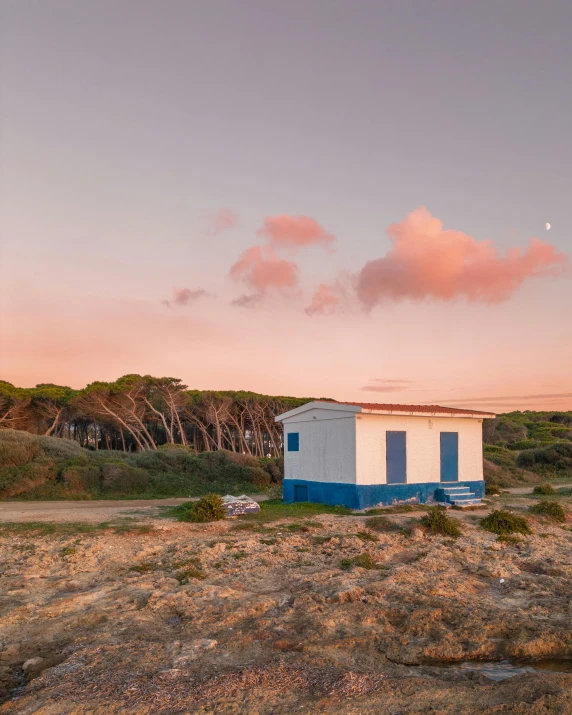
pixel 435 330
pixel 315 199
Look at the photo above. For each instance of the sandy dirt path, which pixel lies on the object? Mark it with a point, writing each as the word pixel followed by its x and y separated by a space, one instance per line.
pixel 98 511
pixel 85 511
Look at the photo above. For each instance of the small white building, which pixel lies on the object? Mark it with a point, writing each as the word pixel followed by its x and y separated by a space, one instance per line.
pixel 362 455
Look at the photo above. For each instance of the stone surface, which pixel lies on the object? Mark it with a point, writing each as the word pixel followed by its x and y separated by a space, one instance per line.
pixel 271 622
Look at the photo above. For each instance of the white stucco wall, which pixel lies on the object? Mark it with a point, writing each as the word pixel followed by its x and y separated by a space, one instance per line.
pixel 327 447
pixel 423 454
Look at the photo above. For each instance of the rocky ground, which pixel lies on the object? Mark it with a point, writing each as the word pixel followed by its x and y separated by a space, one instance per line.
pixel 157 616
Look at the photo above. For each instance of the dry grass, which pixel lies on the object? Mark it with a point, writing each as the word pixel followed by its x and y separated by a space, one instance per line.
pixel 177 691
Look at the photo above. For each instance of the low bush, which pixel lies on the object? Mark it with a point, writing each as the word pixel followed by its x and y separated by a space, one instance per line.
pixel 363 561
pixel 492 489
pixel 550 510
pixel 437 521
pixel 209 508
pixel 382 524
pixel 81 478
pixel 504 522
pixel 544 489
pixel 556 457
pixel 123 478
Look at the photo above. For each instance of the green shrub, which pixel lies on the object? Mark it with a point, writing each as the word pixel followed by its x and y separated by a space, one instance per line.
pixel 58 448
pixel 186 574
pixel 209 508
pixel 492 489
pixel 17 448
pixel 17 480
pixel 545 489
pixel 553 457
pixel 260 477
pixel 81 478
pixel 499 456
pixel 504 522
pixel 275 468
pixel 439 522
pixel 363 561
pixel 549 509
pixel 382 524
pixel 123 478
pixel 524 444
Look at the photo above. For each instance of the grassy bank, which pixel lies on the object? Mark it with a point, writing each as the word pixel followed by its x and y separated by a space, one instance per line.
pixel 33 467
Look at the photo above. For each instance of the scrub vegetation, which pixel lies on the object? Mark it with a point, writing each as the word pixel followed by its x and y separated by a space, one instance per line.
pixel 36 467
pixel 437 521
pixel 526 447
pixel 503 523
pixel 550 510
pixel 208 508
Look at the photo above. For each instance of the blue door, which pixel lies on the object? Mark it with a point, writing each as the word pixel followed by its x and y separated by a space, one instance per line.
pixel 300 492
pixel 449 456
pixel 395 457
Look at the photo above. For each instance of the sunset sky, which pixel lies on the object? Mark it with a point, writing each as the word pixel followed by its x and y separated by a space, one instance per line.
pixel 314 197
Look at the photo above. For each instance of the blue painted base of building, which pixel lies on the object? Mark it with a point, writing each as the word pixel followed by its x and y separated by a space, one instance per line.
pixel 364 496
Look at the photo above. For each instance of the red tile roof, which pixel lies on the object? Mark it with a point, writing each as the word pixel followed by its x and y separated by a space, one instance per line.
pixel 430 409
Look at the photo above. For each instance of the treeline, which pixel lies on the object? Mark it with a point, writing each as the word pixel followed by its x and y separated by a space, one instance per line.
pixel 138 413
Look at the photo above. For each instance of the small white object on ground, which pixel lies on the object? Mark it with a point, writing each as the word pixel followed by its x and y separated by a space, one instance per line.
pixel 32 663
pixel 235 506
pixel 502 580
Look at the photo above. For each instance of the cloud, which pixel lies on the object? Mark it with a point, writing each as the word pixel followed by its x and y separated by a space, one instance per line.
pixel 247 301
pixel 294 232
pixel 427 261
pixel 511 398
pixel 392 382
pixel 384 385
pixel 222 220
pixel 387 385
pixel 382 388
pixel 262 270
pixel 334 297
pixel 324 301
pixel 183 296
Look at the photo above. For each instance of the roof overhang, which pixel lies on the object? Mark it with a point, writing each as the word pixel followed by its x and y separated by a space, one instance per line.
pixel 317 405
pixel 406 412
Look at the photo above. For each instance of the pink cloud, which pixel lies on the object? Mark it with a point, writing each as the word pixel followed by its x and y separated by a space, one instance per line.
pixel 223 220
pixel 324 301
pixel 427 261
pixel 294 232
pixel 262 270
pixel 331 297
pixel 183 296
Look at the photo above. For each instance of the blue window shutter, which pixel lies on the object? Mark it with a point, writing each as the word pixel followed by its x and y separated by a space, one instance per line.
pixel 396 457
pixel 449 456
pixel 293 441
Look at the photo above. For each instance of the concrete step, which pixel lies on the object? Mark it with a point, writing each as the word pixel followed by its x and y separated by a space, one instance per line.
pixel 466 502
pixel 457 496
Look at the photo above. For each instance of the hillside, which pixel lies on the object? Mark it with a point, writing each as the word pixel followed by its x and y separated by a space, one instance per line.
pixel 521 447
pixel 37 467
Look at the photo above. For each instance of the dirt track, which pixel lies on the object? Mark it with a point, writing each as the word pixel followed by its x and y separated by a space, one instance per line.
pixel 84 511
pixel 98 511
